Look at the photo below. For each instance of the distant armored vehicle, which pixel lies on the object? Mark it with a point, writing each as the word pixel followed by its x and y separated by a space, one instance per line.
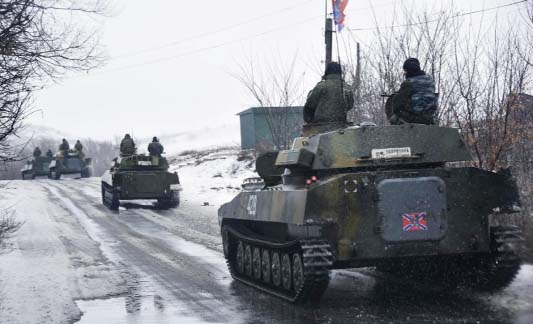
pixel 139 176
pixel 390 197
pixel 70 162
pixel 36 168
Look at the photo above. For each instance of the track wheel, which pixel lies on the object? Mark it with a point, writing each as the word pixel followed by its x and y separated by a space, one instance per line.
pixel 286 271
pixel 266 266
pixel 240 257
pixel 225 242
pixel 256 263
pixel 297 271
pixel 248 260
pixel 276 269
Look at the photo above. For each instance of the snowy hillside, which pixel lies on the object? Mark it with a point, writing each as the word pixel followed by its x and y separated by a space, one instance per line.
pixel 210 137
pixel 212 176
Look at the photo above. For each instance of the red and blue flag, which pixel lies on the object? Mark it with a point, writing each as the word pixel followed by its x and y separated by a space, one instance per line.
pixel 338 12
pixel 413 222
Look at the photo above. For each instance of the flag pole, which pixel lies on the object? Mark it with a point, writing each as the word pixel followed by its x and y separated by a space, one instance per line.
pixel 328 35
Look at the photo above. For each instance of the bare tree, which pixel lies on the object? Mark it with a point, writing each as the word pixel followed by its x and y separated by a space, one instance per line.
pixel 276 87
pixel 40 41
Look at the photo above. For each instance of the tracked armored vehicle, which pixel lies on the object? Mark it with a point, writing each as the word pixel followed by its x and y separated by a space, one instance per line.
pixel 36 168
pixel 394 197
pixel 70 162
pixel 139 176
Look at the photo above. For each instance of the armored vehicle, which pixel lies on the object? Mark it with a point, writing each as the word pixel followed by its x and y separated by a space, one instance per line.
pixel 139 176
pixel 70 162
pixel 36 168
pixel 394 197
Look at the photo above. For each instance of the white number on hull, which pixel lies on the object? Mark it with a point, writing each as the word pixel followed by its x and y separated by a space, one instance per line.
pixel 252 205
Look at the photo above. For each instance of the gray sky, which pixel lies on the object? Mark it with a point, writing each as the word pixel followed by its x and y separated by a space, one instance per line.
pixel 191 86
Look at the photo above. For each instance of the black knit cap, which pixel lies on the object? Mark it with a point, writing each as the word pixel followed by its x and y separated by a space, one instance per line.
pixel 333 68
pixel 155 139
pixel 411 65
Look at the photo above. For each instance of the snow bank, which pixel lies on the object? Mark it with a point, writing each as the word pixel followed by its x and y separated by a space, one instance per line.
pixel 212 176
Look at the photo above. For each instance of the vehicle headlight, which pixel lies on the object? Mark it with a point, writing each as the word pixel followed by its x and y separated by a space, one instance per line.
pixel 175 187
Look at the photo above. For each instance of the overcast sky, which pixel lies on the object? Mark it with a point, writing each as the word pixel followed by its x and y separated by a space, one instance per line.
pixel 169 70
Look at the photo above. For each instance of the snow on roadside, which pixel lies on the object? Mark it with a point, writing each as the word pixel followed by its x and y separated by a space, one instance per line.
pixel 51 261
pixel 212 176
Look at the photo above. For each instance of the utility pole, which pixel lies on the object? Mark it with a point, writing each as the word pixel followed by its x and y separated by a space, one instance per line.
pixel 329 39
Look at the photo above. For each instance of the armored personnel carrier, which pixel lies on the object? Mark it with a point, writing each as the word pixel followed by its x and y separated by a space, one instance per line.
pixel 393 197
pixel 139 176
pixel 36 168
pixel 70 162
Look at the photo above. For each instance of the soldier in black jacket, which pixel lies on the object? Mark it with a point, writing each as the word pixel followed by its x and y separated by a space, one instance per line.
pixel 155 148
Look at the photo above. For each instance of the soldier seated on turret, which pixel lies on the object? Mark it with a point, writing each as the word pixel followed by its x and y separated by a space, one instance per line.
pixel 416 101
pixel 155 148
pixel 49 153
pixel 37 152
pixel 79 148
pixel 64 147
pixel 127 146
pixel 329 102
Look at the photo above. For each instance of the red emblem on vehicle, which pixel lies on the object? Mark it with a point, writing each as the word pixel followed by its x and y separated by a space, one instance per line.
pixel 413 222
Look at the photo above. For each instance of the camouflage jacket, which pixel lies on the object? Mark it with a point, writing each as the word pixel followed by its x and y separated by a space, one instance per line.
pixel 155 149
pixel 329 101
pixel 37 152
pixel 127 146
pixel 64 146
pixel 416 96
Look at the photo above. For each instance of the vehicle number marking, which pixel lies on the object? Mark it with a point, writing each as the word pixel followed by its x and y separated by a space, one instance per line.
pixel 252 205
pixel 391 153
pixel 144 162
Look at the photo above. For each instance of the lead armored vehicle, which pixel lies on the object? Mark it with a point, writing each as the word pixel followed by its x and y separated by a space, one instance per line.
pixel 139 176
pixel 36 168
pixel 394 197
pixel 70 162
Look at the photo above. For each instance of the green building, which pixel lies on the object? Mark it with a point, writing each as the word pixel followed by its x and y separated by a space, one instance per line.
pixel 266 128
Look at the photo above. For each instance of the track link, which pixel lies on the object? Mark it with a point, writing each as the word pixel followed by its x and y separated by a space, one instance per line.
pixel 298 284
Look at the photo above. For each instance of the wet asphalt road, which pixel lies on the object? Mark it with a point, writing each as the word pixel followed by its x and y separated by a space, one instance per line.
pixel 175 273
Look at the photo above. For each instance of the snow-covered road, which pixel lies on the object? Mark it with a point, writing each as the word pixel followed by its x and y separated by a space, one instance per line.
pixel 73 260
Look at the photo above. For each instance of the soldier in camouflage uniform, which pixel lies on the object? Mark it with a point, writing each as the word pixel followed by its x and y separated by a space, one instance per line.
pixel 155 148
pixel 79 148
pixel 49 153
pixel 416 101
pixel 127 146
pixel 37 152
pixel 64 147
pixel 330 99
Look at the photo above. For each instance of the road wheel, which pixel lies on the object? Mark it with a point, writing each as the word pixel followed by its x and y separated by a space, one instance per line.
pixel 248 260
pixel 276 269
pixel 225 242
pixel 286 273
pixel 297 271
pixel 256 263
pixel 240 257
pixel 266 266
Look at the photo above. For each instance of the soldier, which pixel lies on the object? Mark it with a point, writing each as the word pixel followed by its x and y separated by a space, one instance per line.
pixel 416 101
pixel 49 153
pixel 64 147
pixel 78 146
pixel 330 99
pixel 37 152
pixel 155 148
pixel 127 145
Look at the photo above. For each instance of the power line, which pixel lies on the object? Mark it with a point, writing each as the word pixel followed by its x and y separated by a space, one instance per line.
pixel 203 49
pixel 222 29
pixel 208 33
pixel 436 20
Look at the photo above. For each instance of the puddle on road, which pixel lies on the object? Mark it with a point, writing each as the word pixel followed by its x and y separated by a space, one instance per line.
pixel 125 310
